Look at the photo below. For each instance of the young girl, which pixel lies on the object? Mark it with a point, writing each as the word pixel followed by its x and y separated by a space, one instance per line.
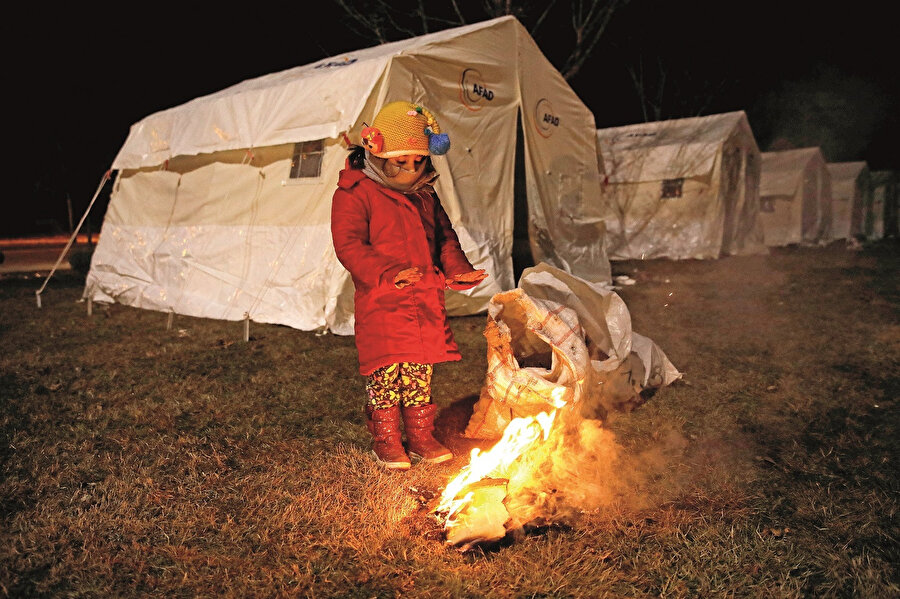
pixel 394 237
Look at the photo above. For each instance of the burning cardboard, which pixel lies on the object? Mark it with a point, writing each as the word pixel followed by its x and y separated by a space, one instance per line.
pixel 483 518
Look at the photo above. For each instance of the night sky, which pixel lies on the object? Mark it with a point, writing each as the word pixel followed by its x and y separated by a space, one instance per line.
pixel 78 77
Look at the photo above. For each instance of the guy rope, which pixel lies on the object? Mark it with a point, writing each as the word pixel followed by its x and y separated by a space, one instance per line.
pixel 103 181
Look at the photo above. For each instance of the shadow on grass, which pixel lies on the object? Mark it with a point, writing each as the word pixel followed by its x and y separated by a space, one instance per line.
pixel 450 426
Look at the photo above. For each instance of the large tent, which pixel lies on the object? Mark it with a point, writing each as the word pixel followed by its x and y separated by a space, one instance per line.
pixel 795 197
pixel 221 206
pixel 851 195
pixel 682 188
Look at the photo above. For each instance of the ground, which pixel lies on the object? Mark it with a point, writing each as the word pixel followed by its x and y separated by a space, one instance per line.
pixel 142 456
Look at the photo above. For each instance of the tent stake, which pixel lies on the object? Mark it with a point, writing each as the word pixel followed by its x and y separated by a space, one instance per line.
pixel 246 326
pixel 90 306
pixel 170 320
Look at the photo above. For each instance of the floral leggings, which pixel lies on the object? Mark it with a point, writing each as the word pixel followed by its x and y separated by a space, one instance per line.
pixel 405 384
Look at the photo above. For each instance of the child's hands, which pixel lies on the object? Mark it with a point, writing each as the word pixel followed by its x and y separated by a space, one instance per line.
pixel 412 275
pixel 407 276
pixel 468 278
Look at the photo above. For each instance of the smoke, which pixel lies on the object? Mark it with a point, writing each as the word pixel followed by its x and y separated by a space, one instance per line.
pixel 582 468
pixel 832 109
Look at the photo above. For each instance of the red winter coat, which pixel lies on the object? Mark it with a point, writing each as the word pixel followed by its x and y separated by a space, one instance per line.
pixel 378 232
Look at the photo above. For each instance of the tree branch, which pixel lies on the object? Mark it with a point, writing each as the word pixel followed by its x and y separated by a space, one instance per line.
pixel 459 15
pixel 541 18
pixel 367 25
pixel 588 27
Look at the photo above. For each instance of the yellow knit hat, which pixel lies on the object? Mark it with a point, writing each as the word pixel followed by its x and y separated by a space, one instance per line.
pixel 403 128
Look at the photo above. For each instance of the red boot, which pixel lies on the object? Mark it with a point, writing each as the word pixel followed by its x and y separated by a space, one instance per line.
pixel 419 424
pixel 384 424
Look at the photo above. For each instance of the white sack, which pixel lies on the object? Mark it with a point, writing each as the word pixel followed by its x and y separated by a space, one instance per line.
pixel 559 340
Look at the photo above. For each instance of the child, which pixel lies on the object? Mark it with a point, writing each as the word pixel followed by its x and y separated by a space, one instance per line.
pixel 391 232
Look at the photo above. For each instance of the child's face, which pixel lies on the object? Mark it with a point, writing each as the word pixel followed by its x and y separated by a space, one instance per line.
pixel 408 162
pixel 406 167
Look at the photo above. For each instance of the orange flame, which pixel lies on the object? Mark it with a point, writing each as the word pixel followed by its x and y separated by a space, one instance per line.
pixel 518 436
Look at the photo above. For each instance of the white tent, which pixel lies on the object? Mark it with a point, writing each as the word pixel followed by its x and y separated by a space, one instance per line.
pixel 795 197
pixel 682 188
pixel 850 196
pixel 221 206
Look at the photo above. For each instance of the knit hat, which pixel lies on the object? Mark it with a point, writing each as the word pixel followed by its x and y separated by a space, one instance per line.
pixel 403 128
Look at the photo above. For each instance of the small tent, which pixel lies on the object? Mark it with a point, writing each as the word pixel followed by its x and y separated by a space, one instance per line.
pixel 220 207
pixel 682 188
pixel 850 196
pixel 881 218
pixel 795 197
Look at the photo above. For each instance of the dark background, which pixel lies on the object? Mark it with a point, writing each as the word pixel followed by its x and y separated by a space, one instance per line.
pixel 80 75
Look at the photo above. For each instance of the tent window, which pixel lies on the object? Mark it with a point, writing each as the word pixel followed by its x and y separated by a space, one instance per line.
pixel 671 188
pixel 766 205
pixel 307 159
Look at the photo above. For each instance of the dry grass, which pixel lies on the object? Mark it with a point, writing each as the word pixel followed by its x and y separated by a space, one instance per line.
pixel 140 461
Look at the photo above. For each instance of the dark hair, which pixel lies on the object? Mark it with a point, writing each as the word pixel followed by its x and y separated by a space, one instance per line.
pixel 357 156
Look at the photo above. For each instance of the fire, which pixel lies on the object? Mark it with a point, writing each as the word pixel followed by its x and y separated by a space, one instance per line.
pixel 553 344
pixel 518 436
pixel 462 497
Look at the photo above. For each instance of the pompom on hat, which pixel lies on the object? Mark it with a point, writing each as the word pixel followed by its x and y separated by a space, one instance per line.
pixel 403 128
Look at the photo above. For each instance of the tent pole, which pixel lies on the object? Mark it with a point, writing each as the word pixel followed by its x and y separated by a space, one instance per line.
pixel 246 326
pixel 103 181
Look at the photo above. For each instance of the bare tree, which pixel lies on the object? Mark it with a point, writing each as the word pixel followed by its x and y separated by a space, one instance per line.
pixel 685 94
pixel 589 21
pixel 651 107
pixel 382 22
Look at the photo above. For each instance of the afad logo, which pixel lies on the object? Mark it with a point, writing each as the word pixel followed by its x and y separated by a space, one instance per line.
pixel 472 90
pixel 347 61
pixel 545 120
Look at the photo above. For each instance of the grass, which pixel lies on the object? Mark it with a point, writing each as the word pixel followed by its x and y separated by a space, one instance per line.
pixel 138 461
